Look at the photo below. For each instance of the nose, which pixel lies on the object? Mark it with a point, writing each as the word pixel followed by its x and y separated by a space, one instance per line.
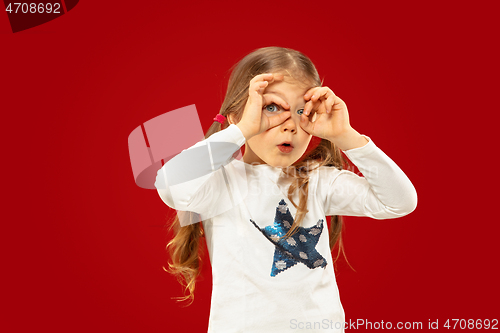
pixel 289 125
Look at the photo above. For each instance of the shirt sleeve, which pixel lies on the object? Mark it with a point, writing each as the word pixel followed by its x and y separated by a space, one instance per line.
pixel 195 179
pixel 384 192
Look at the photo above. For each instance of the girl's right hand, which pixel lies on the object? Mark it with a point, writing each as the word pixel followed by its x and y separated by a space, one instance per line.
pixel 254 121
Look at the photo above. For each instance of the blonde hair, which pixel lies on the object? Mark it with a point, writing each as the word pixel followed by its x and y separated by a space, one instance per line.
pixel 184 249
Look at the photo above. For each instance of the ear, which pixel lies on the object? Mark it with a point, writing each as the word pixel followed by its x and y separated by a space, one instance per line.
pixel 230 119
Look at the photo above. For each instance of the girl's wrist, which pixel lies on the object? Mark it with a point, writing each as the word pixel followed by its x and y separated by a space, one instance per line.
pixel 245 132
pixel 350 139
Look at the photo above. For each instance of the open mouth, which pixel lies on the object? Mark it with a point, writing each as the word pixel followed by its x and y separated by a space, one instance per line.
pixel 286 144
pixel 285 147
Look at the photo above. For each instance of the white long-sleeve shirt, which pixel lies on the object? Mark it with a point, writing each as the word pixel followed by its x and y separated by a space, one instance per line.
pixel 262 283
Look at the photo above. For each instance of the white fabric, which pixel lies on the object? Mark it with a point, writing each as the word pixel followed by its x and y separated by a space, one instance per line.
pixel 245 296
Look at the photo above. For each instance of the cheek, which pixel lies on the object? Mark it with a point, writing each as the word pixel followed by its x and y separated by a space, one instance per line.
pixel 265 138
pixel 257 143
pixel 305 137
pixel 304 144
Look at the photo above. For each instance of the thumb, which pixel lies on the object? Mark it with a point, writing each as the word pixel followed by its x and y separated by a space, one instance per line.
pixel 279 119
pixel 305 123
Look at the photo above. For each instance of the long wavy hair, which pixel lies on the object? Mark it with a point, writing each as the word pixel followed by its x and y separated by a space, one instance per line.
pixel 184 249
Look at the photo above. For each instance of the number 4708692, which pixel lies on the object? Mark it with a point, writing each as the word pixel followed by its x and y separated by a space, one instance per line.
pixel 471 324
pixel 33 8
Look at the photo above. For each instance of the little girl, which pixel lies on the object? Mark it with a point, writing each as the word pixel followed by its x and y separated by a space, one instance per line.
pixel 263 215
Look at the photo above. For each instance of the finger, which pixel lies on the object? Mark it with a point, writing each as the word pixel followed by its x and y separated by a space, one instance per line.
pixel 272 98
pixel 330 101
pixel 327 97
pixel 257 85
pixel 321 93
pixel 305 123
pixel 261 81
pixel 307 108
pixel 261 77
pixel 311 107
pixel 269 77
pixel 277 77
pixel 279 119
pixel 260 86
pixel 310 92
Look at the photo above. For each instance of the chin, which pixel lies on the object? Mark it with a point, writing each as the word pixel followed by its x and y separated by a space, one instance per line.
pixel 282 164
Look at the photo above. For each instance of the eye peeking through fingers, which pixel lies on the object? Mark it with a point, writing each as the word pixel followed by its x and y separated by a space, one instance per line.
pixel 272 107
pixel 275 109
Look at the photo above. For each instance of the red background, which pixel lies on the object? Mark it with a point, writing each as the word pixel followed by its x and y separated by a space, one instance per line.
pixel 84 246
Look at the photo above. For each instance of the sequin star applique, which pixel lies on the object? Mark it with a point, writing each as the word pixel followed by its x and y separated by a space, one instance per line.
pixel 297 248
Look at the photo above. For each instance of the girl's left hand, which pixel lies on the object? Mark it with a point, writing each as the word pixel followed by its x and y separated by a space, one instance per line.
pixel 325 115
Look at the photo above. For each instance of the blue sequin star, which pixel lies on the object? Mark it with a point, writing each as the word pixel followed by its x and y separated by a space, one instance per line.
pixel 297 248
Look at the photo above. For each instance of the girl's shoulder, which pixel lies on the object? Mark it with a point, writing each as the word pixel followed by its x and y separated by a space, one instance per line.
pixel 329 173
pixel 317 167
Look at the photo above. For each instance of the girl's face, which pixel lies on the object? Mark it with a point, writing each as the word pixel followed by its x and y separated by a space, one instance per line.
pixel 265 147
